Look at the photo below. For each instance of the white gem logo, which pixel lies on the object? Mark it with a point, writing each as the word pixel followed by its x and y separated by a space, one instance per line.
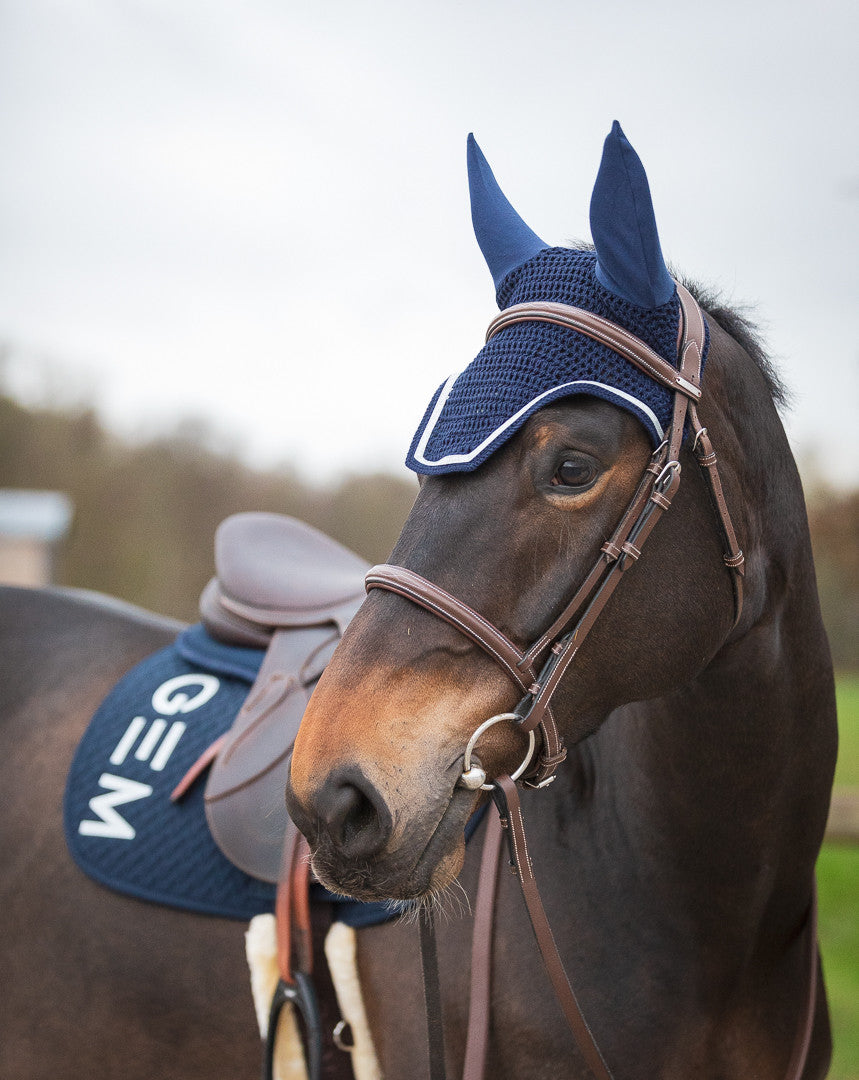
pixel 149 742
pixel 111 824
pixel 163 703
pixel 152 742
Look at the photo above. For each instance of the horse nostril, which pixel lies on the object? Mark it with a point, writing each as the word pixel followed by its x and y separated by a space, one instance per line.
pixel 354 813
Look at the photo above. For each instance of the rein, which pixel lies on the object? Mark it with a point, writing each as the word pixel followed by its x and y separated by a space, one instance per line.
pixel 538 671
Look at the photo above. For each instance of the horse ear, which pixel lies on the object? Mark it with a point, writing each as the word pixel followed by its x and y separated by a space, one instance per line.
pixel 504 238
pixel 623 226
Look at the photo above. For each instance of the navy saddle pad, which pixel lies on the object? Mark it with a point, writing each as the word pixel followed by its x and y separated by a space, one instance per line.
pixel 121 827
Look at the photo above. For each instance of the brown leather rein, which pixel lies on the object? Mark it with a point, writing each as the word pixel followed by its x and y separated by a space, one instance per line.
pixel 538 671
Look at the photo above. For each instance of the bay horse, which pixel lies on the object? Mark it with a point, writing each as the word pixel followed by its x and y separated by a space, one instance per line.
pixel 676 846
pixel 675 849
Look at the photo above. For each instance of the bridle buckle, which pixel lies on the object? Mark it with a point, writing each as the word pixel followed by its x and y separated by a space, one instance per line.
pixel 669 470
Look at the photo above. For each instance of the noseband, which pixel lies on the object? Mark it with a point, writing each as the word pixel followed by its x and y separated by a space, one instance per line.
pixel 538 671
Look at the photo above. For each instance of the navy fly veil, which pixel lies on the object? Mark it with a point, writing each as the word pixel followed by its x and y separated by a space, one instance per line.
pixel 530 364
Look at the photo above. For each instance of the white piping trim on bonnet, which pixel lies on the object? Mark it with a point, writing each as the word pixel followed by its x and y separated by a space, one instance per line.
pixel 459 459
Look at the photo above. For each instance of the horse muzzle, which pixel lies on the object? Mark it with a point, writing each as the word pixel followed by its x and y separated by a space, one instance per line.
pixel 365 848
pixel 347 812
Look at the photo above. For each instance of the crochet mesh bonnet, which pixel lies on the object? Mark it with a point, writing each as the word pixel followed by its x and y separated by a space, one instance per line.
pixel 528 365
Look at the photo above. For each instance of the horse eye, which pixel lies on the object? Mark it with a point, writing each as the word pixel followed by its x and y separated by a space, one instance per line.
pixel 575 474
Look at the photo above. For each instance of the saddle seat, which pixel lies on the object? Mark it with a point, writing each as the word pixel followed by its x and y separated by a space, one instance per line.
pixel 274 571
pixel 286 587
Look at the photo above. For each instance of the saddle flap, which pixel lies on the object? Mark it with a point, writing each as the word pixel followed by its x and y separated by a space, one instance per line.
pixel 278 571
pixel 244 795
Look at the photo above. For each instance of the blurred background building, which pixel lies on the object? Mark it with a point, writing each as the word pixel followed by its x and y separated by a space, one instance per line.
pixel 33 524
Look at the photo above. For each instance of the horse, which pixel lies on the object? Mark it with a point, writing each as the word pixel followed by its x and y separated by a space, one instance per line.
pixel 675 849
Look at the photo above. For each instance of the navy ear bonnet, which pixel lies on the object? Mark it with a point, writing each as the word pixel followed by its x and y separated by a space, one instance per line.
pixel 530 364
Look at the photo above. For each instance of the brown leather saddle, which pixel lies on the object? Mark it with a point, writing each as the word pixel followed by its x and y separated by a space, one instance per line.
pixel 286 587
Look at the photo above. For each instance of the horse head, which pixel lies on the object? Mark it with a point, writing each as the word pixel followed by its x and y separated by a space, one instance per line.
pixel 527 459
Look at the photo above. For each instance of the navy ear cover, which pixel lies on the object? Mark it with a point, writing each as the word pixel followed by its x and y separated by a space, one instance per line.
pixel 530 364
pixel 623 227
pixel 504 238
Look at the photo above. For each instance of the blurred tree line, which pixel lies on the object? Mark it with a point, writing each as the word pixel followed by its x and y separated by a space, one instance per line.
pixel 834 520
pixel 145 515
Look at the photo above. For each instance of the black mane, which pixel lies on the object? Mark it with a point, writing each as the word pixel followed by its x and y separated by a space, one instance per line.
pixel 736 322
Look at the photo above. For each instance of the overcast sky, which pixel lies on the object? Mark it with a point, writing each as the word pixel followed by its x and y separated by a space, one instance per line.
pixel 256 212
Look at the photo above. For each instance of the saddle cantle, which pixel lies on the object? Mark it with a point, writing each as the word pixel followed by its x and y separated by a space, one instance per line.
pixel 284 586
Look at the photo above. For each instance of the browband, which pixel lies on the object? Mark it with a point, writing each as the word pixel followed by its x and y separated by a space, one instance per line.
pixel 606 333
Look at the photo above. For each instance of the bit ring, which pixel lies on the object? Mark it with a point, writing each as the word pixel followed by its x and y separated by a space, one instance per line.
pixel 471 774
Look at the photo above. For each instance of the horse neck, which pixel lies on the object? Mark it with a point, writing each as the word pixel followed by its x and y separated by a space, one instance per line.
pixel 729 775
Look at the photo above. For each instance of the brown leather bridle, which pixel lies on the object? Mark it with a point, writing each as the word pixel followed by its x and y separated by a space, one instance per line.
pixel 539 670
